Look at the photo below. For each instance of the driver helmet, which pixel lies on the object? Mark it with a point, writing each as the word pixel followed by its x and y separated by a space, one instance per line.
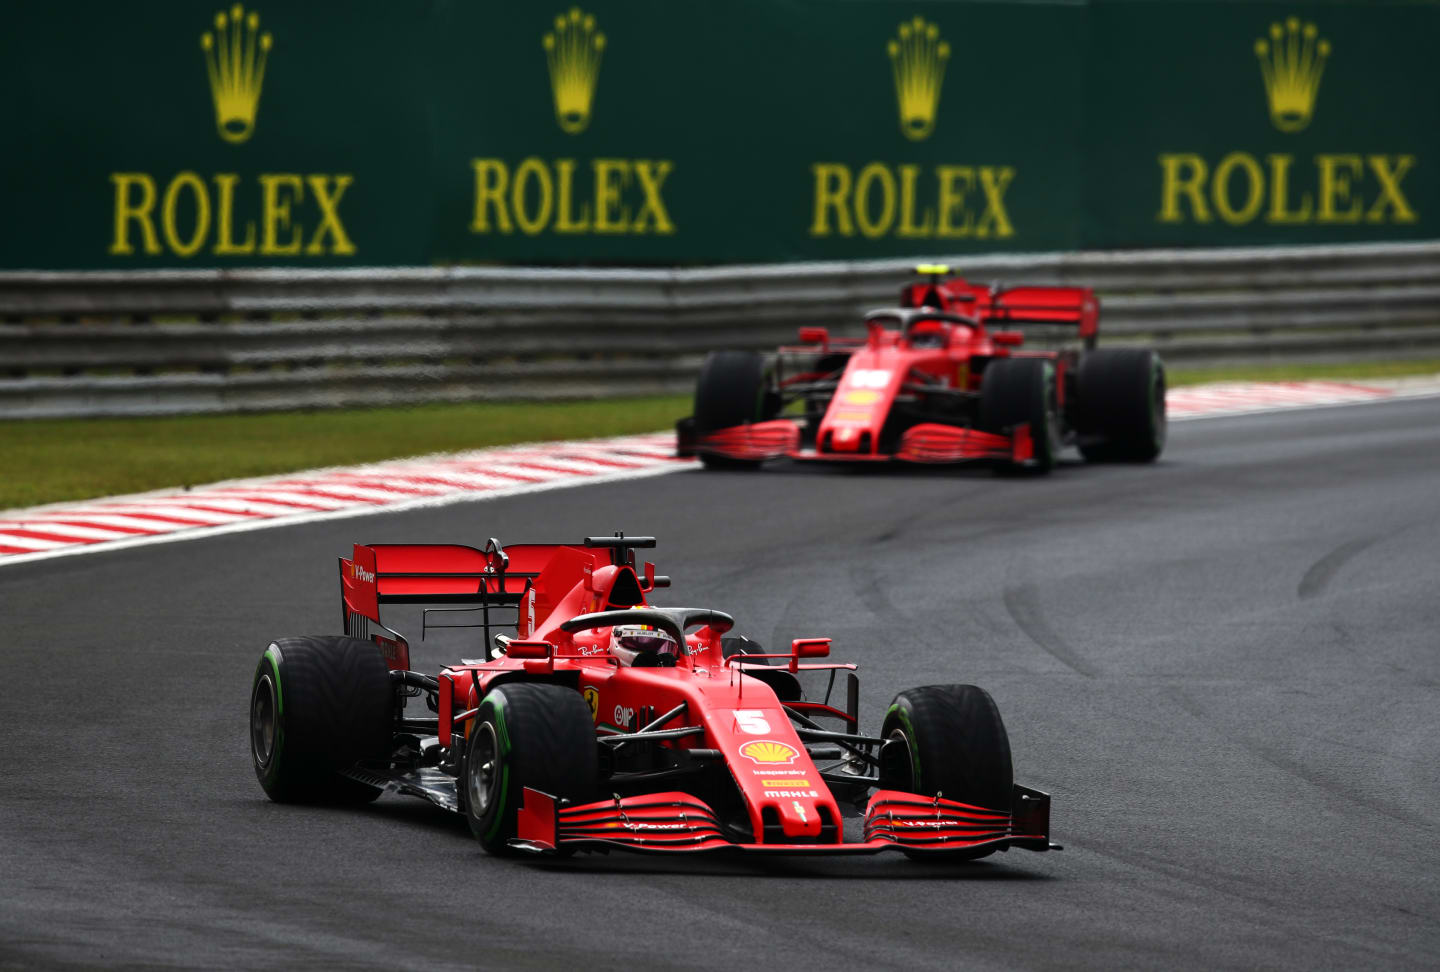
pixel 644 637
pixel 927 334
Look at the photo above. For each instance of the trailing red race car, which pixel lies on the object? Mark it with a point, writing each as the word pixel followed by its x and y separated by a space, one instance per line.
pixel 932 382
pixel 607 723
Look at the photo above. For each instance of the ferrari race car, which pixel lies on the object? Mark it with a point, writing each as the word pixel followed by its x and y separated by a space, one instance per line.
pixel 931 382
pixel 604 722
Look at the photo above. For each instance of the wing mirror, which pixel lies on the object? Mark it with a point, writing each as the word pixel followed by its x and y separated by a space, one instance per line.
pixel 808 648
pixel 815 335
pixel 1009 339
pixel 528 649
pixel 649 580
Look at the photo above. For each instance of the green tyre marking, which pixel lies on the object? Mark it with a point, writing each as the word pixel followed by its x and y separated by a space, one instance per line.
pixel 914 744
pixel 502 749
pixel 272 655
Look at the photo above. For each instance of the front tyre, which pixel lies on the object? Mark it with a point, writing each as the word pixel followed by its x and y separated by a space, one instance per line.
pixel 526 734
pixel 1022 390
pixel 734 388
pixel 948 740
pixel 318 705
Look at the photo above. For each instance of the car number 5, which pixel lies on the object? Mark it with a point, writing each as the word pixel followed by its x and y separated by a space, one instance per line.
pixel 751 721
pixel 869 378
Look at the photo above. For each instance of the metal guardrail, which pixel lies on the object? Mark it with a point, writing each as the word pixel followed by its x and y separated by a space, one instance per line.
pixel 165 342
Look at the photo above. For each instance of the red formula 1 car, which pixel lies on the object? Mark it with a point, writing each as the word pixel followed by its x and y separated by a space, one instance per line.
pixel 605 722
pixel 931 382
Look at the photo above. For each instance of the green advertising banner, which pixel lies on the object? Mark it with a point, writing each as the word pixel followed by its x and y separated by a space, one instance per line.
pixel 199 134
pixel 1222 124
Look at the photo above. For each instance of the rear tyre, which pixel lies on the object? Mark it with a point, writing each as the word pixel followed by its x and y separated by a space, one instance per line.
pixel 318 705
pixel 735 388
pixel 1120 412
pixel 526 734
pixel 1022 390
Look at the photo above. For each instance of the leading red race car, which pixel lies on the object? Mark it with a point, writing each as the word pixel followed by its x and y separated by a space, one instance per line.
pixel 605 722
pixel 932 382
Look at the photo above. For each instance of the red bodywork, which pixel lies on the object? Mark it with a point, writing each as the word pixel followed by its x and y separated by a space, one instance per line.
pixel 738 718
pixel 931 351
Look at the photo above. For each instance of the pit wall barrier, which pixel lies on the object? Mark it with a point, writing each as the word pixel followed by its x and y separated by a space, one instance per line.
pixel 192 341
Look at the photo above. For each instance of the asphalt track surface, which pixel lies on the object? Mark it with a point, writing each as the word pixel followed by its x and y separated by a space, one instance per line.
pixel 1225 668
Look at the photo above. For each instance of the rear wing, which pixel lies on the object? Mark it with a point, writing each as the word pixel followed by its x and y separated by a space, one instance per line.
pixel 434 573
pixel 526 578
pixel 1010 306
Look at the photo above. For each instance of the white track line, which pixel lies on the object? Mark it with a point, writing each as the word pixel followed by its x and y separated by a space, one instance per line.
pixel 167 516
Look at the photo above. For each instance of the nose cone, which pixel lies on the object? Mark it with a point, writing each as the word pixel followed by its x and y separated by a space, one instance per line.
pixel 799 816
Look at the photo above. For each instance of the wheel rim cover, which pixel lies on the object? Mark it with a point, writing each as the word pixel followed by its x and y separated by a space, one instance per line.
pixel 262 721
pixel 485 774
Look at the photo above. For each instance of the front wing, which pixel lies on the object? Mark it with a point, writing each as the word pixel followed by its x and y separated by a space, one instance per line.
pixel 677 822
pixel 930 442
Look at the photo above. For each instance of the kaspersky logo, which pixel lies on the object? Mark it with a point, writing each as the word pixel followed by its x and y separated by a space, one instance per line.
pixel 1292 59
pixel 573 51
pixel 917 58
pixel 235 55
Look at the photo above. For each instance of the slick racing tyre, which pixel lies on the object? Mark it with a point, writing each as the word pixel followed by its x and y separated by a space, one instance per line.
pixel 735 388
pixel 1120 408
pixel 1016 390
pixel 526 734
pixel 948 740
pixel 317 706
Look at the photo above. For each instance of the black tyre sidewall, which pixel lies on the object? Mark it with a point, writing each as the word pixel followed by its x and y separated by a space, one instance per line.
pixel 545 738
pixel 1022 390
pixel 1121 408
pixel 958 744
pixel 334 708
pixel 733 389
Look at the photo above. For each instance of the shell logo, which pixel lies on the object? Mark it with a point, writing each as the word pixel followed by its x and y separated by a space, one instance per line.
pixel 769 752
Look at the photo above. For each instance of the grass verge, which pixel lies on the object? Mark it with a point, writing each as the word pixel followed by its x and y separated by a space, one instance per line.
pixel 1357 370
pixel 54 460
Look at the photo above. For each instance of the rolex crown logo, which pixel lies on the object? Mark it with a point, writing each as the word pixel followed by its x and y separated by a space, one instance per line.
pixel 573 51
pixel 918 57
pixel 1291 62
pixel 235 55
